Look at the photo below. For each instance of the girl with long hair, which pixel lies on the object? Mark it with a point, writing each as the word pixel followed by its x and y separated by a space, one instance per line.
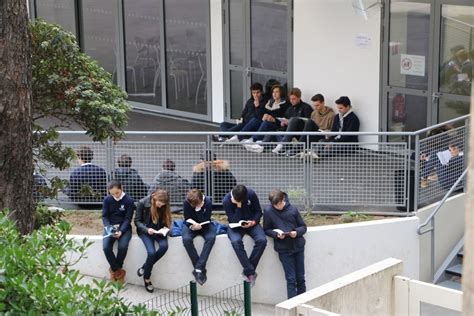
pixel 153 221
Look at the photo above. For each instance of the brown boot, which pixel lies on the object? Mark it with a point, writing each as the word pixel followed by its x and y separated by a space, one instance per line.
pixel 120 275
pixel 113 277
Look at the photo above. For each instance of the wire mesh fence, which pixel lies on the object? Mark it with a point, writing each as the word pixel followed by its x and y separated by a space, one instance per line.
pixel 443 157
pixel 371 173
pixel 229 301
pixel 176 302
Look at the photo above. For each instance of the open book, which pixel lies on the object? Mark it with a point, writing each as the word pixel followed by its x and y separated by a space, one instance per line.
pixel 279 231
pixel 445 155
pixel 192 222
pixel 240 223
pixel 162 231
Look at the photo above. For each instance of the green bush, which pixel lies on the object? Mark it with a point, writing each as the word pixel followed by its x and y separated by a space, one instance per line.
pixel 46 217
pixel 38 277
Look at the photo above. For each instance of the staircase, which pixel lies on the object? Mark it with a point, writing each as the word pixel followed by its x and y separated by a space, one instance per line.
pixel 451 276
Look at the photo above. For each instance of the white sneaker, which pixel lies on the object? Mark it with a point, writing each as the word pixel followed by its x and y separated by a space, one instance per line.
pixel 247 141
pixel 255 148
pixel 233 139
pixel 313 155
pixel 277 149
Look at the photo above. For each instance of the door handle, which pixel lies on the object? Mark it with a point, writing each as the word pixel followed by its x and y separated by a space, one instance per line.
pixel 435 97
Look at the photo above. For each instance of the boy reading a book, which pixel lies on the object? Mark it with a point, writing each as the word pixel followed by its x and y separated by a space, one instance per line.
pixel 197 210
pixel 242 207
pixel 284 224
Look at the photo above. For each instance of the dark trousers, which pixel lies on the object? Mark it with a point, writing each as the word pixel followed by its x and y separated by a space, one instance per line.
pixel 230 127
pixel 256 232
pixel 208 232
pixel 153 255
pixel 116 262
pixel 311 126
pixel 266 126
pixel 251 126
pixel 295 124
pixel 293 264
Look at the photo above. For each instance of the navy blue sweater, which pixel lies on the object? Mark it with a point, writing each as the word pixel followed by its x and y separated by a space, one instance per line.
pixel 118 212
pixel 250 210
pixel 203 215
pixel 287 220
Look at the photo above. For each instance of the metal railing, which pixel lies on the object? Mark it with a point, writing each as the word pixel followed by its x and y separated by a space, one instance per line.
pixel 377 174
pixel 431 220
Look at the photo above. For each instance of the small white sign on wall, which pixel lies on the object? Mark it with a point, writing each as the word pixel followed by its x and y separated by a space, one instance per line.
pixel 412 65
pixel 363 40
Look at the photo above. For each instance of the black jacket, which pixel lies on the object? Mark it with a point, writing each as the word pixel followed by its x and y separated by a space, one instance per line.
pixel 143 216
pixel 250 210
pixel 250 111
pixel 350 124
pixel 132 182
pixel 222 179
pixel 278 109
pixel 118 212
pixel 203 215
pixel 287 220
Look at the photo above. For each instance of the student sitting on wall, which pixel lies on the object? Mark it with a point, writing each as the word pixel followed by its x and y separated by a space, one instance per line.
pixel 222 180
pixel 169 180
pixel 253 109
pixel 117 214
pixel 282 221
pixel 132 182
pixel 293 121
pixel 153 222
pixel 243 211
pixel 197 210
pixel 88 183
pixel 449 171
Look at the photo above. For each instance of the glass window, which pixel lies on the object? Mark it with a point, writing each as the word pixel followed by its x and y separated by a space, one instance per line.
pixel 269 34
pixel 236 32
pixel 450 108
pixel 187 23
pixel 236 97
pixel 409 47
pixel 59 12
pixel 99 25
pixel 142 21
pixel 268 81
pixel 457 50
pixel 406 112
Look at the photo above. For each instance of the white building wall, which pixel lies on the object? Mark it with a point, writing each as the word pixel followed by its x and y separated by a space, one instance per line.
pixel 331 252
pixel 327 59
pixel 217 61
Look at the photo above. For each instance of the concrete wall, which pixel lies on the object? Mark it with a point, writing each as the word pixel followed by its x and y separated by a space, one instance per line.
pixel 449 229
pixel 328 61
pixel 368 291
pixel 331 252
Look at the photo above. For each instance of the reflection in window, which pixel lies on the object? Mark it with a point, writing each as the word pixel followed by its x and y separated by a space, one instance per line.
pixel 406 112
pixel 99 18
pixel 59 12
pixel 142 45
pixel 450 108
pixel 187 24
pixel 409 45
pixel 457 50
pixel 269 34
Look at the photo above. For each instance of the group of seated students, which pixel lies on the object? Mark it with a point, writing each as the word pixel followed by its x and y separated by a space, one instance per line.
pixel 88 182
pixel 293 115
pixel 281 221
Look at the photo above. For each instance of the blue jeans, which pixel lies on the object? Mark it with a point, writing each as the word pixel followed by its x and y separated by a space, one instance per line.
pixel 208 232
pixel 236 234
pixel 266 126
pixel 116 262
pixel 230 127
pixel 250 126
pixel 293 264
pixel 153 255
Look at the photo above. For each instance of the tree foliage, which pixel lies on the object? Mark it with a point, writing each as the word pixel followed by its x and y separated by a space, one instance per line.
pixel 39 280
pixel 70 88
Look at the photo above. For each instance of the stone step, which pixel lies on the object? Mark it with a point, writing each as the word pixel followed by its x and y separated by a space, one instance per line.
pixel 451 284
pixel 455 270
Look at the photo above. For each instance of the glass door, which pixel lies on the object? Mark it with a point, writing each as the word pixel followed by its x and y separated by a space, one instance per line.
pixel 257 47
pixel 453 60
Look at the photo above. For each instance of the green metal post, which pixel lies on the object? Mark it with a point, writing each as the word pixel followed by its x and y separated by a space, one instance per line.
pixel 247 299
pixel 194 299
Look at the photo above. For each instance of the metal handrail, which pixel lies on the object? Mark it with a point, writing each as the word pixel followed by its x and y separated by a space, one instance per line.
pixel 440 204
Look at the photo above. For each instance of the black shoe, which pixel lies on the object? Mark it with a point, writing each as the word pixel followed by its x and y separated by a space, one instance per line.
pixel 140 272
pixel 200 277
pixel 148 286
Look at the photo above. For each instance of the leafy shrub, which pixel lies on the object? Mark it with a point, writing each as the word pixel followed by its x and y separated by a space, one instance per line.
pixel 38 278
pixel 44 216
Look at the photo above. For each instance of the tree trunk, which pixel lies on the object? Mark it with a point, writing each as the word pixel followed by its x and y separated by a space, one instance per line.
pixel 468 260
pixel 16 159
